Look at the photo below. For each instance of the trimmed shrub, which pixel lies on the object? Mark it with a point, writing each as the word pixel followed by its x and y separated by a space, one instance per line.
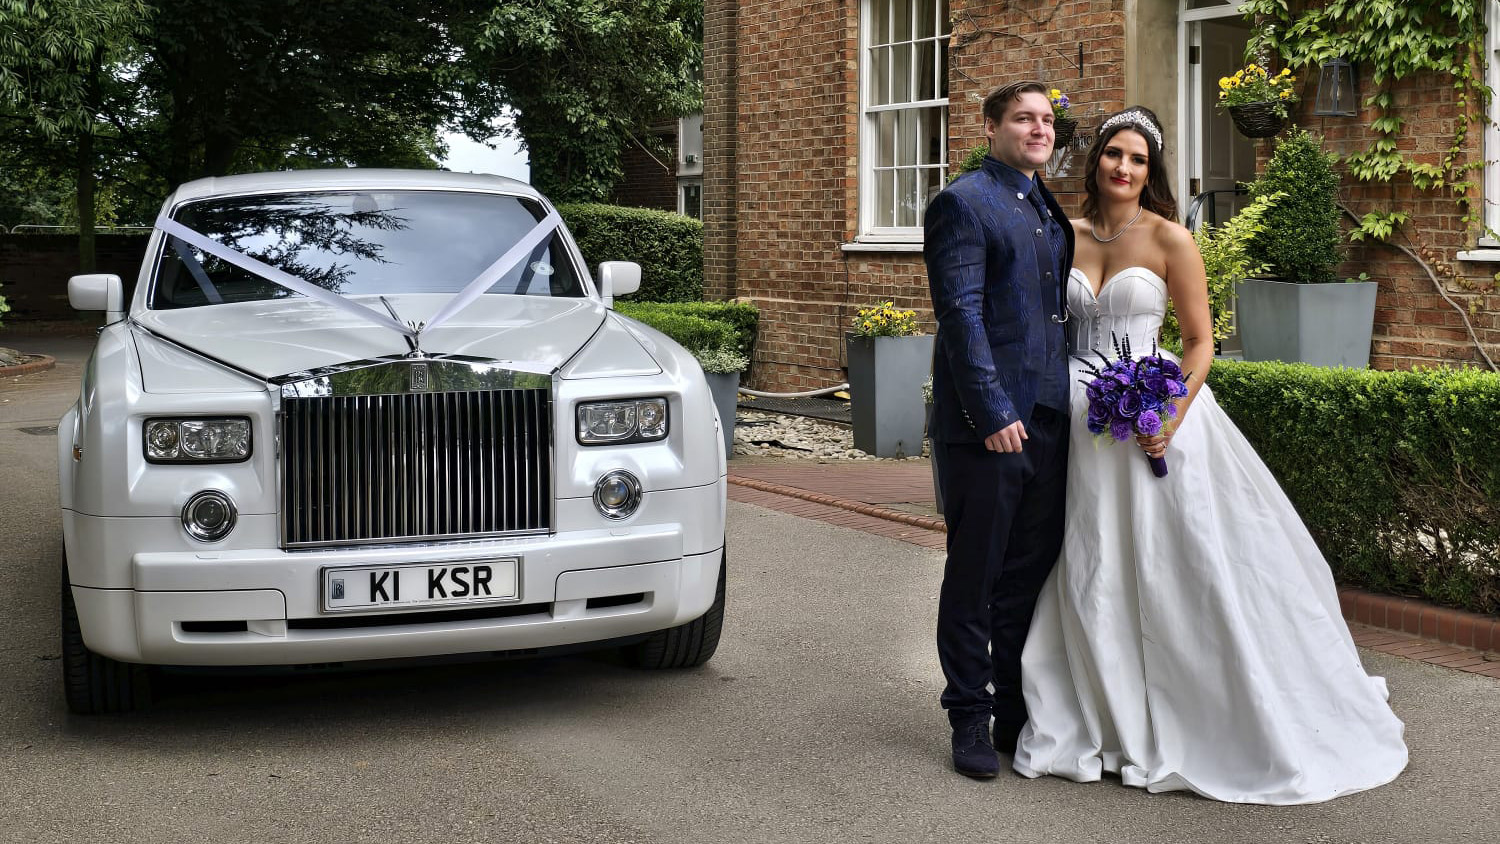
pixel 741 316
pixel 1396 474
pixel 669 247
pixel 1300 238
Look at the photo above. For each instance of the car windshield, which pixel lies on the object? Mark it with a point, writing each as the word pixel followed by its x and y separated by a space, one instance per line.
pixel 360 243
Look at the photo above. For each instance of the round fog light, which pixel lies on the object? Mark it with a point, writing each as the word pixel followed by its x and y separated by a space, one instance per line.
pixel 208 516
pixel 617 494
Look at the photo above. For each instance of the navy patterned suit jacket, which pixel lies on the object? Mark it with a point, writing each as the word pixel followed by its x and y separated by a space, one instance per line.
pixel 986 259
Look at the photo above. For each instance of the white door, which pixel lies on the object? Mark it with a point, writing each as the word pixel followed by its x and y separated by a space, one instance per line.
pixel 1227 158
pixel 1218 157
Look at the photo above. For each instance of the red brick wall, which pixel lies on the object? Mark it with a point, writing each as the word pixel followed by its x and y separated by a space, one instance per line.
pixel 35 268
pixel 650 177
pixel 795 173
pixel 1414 324
pixel 720 147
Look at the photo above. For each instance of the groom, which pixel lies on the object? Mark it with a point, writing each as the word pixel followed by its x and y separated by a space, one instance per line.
pixel 998 250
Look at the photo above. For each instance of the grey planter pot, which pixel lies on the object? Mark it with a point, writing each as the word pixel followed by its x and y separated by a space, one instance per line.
pixel 725 387
pixel 885 393
pixel 1320 324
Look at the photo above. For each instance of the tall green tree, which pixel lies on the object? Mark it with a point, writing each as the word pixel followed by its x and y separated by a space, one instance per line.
pixel 587 77
pixel 272 83
pixel 53 55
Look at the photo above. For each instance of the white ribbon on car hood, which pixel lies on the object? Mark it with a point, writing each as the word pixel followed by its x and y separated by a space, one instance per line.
pixel 461 300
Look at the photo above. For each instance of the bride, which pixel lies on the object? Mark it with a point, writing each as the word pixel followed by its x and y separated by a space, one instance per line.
pixel 1190 636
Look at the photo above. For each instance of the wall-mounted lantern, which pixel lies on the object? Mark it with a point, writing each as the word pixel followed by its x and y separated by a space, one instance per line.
pixel 1338 93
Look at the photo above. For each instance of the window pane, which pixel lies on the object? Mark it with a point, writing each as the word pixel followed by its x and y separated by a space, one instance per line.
pixel 880 22
pixel 929 137
pixel 906 137
pixel 943 69
pixel 906 197
pixel 926 18
pixel 885 197
pixel 880 76
pixel 886 156
pixel 901 73
pixel 927 87
pixel 901 16
pixel 944 25
pixel 692 200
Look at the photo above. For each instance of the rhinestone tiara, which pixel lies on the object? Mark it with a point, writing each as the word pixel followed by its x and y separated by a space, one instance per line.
pixel 1137 119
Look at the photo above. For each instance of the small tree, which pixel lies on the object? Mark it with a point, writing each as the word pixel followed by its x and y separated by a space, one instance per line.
pixel 1226 262
pixel 1300 237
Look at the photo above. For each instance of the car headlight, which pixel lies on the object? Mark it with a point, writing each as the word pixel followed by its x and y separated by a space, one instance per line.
pixel 197 440
pixel 627 421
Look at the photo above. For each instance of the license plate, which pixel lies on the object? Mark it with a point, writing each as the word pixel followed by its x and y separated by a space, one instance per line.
pixel 444 584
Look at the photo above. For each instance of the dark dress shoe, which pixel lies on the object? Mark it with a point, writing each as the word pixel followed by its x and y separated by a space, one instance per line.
pixel 1006 735
pixel 973 755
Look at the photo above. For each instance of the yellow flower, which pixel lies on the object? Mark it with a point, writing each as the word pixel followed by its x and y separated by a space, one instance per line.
pixel 1224 82
pixel 1285 94
pixel 1223 94
pixel 1286 71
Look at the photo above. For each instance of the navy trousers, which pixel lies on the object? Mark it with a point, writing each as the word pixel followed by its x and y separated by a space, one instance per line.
pixel 1005 524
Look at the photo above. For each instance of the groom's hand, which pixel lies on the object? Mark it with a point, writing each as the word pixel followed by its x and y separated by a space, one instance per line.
pixel 1008 439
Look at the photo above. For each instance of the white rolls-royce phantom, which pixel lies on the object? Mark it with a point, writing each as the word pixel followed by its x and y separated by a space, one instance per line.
pixel 347 415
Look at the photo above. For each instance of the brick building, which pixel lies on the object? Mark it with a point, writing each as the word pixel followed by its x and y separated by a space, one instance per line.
pixel 665 172
pixel 827 125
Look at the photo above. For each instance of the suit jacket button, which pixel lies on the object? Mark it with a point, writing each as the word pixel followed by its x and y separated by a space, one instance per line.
pixel 1020 195
pixel 1038 232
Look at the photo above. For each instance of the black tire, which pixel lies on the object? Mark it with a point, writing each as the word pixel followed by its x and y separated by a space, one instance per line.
pixel 686 645
pixel 94 684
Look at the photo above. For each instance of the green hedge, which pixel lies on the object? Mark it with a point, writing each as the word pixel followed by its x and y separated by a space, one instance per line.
pixel 699 326
pixel 1397 474
pixel 669 247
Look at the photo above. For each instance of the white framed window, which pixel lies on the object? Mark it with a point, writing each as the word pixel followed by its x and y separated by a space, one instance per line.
pixel 690 197
pixel 904 114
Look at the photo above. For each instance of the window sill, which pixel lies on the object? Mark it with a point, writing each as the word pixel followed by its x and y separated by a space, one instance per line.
pixel 897 246
pixel 1481 256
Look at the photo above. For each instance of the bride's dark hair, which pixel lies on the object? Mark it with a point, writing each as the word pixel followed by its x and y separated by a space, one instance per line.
pixel 1157 195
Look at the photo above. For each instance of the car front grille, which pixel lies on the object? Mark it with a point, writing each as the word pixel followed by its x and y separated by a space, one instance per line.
pixel 413 466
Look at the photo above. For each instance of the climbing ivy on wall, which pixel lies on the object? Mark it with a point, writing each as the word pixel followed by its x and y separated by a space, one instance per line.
pixel 1392 40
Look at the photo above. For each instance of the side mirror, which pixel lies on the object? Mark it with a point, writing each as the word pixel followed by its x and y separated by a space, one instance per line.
pixel 618 278
pixel 97 292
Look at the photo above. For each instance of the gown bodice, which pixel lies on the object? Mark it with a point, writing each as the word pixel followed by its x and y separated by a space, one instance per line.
pixel 1131 303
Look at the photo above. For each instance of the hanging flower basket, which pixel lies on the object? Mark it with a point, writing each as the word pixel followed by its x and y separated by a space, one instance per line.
pixel 1063 128
pixel 1257 120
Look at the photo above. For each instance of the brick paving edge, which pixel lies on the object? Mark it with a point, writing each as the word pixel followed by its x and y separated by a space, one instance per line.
pixel 1387 612
pixel 927 522
pixel 42 362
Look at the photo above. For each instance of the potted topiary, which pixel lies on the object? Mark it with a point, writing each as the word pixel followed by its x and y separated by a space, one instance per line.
pixel 888 358
pixel 722 367
pixel 1302 314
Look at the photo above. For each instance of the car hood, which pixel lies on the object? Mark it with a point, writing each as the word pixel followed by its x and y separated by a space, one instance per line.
pixel 269 339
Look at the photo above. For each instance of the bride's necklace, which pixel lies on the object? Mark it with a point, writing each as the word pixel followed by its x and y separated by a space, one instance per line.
pixel 1094 229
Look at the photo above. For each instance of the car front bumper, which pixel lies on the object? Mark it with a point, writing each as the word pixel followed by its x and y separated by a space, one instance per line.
pixel 264 606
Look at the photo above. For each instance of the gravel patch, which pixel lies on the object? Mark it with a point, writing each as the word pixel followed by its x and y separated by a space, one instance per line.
pixel 797 437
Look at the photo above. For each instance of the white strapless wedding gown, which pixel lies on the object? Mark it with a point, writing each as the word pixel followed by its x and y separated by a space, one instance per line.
pixel 1190 636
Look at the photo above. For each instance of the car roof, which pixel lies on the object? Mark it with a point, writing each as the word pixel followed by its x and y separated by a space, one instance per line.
pixel 347 178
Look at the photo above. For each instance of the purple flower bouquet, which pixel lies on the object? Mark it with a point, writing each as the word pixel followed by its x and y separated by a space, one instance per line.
pixel 1129 396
